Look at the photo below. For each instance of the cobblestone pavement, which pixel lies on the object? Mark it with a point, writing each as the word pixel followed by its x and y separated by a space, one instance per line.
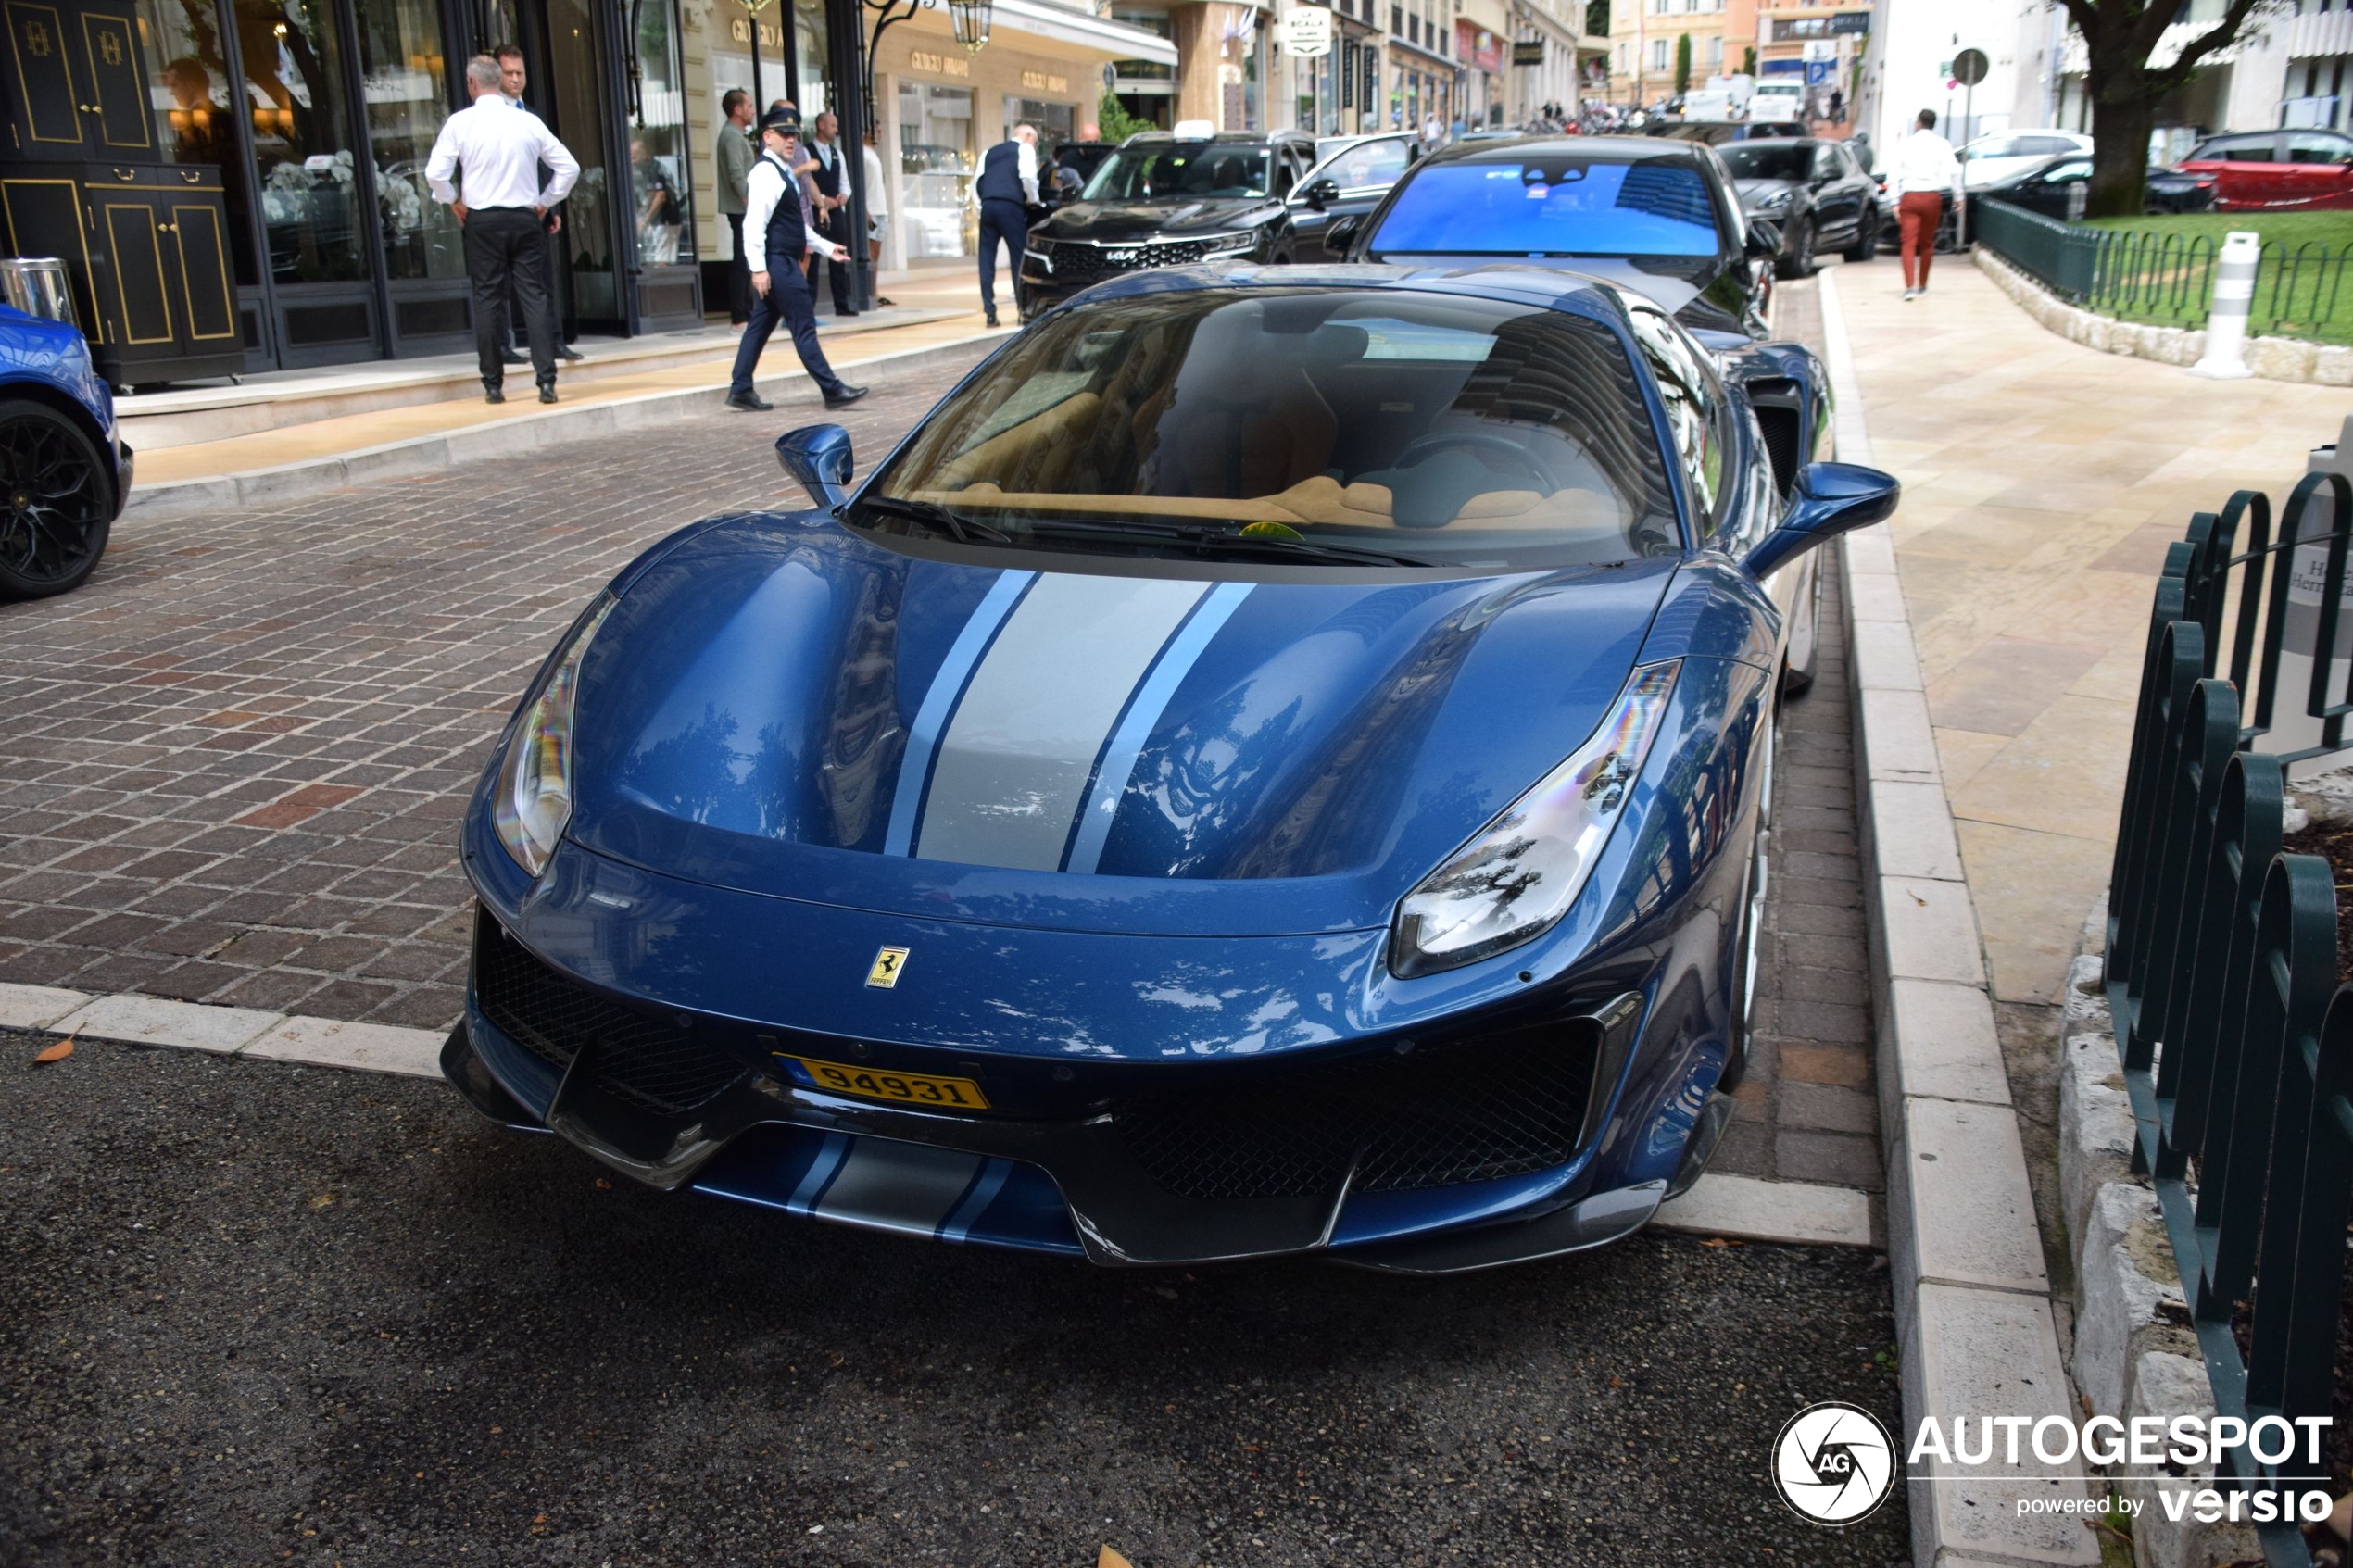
pixel 260 1313
pixel 232 764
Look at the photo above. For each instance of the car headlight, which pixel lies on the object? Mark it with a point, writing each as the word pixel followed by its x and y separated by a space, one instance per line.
pixel 1218 247
pixel 1516 880
pixel 1775 201
pixel 533 801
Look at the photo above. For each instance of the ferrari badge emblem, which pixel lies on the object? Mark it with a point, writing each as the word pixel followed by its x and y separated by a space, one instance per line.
pixel 883 972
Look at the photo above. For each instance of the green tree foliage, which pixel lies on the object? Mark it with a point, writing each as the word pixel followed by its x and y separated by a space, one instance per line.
pixel 2120 37
pixel 1596 17
pixel 1116 122
pixel 1682 63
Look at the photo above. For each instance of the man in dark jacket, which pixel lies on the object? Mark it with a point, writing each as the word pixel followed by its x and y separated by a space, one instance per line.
pixel 1008 189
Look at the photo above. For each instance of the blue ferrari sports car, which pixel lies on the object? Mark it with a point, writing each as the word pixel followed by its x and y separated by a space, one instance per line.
pixel 1274 762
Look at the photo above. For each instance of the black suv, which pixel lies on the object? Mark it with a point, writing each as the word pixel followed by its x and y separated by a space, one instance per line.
pixel 1160 201
pixel 1813 191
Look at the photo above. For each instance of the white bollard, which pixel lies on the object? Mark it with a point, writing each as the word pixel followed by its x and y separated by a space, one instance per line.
pixel 2234 297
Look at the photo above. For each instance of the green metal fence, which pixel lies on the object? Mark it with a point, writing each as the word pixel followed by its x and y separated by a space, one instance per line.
pixel 2235 1037
pixel 2166 278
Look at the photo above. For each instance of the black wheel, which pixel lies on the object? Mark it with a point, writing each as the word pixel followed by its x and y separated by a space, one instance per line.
pixel 56 501
pixel 1866 245
pixel 1799 262
pixel 1804 637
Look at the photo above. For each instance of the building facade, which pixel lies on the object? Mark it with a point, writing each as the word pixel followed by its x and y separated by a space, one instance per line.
pixel 1645 46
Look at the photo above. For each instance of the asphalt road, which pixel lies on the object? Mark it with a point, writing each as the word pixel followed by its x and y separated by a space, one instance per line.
pixel 252 1312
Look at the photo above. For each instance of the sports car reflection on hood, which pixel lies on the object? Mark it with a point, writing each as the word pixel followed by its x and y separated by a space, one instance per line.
pixel 1271 764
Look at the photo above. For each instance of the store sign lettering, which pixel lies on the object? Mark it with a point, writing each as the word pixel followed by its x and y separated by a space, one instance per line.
pixel 937 65
pixel 1040 82
pixel 770 35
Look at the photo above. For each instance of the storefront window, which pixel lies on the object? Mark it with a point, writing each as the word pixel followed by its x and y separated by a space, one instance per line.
pixel 580 111
pixel 301 140
pixel 660 183
pixel 188 89
pixel 1056 123
pixel 937 217
pixel 402 71
pixel 808 27
pixel 1153 20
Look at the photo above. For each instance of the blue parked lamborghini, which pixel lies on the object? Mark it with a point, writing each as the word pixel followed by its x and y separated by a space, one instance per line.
pixel 1273 763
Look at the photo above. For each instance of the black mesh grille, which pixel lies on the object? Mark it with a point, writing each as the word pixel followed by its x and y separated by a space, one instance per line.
pixel 1472 1113
pixel 643 1056
pixel 1074 260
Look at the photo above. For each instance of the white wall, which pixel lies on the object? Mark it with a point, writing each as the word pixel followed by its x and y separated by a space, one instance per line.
pixel 1910 40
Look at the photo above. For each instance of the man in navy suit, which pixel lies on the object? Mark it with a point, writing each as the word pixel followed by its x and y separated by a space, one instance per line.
pixel 1008 189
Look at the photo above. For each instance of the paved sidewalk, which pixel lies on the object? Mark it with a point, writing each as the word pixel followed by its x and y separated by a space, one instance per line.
pixel 2042 484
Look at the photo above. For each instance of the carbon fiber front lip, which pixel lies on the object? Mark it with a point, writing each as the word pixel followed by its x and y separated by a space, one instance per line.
pixel 1122 1215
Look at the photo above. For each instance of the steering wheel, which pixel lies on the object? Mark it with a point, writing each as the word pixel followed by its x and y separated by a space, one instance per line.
pixel 1423 447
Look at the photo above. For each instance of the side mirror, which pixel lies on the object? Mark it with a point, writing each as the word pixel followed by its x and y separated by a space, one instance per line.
pixel 1763 241
pixel 1831 500
pixel 818 456
pixel 1342 236
pixel 1322 194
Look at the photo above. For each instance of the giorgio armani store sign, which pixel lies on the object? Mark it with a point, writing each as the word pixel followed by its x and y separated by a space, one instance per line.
pixel 239 184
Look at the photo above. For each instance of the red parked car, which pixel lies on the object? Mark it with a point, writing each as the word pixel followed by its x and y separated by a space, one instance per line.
pixel 2270 171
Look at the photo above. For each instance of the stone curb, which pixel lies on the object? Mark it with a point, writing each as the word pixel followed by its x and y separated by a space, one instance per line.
pixel 1973 1302
pixel 425 454
pixel 1741 1207
pixel 2134 1351
pixel 2273 359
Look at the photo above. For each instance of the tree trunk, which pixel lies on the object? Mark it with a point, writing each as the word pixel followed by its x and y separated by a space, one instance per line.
pixel 2120 156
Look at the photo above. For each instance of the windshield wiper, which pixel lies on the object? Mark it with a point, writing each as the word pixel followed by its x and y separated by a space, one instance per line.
pixel 963 530
pixel 1215 537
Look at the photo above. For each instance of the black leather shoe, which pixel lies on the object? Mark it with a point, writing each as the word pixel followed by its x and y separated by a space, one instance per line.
pixel 992 315
pixel 848 312
pixel 846 397
pixel 547 394
pixel 510 358
pixel 492 394
pixel 570 355
pixel 748 402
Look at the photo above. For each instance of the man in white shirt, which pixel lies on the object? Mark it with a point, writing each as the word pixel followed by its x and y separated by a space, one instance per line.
pixel 513 78
pixel 776 238
pixel 1925 171
pixel 495 149
pixel 877 211
pixel 1008 189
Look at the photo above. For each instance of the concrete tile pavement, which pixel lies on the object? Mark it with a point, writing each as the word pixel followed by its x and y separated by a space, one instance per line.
pixel 2043 481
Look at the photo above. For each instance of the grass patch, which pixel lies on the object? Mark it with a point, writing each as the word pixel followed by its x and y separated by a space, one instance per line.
pixel 2303 291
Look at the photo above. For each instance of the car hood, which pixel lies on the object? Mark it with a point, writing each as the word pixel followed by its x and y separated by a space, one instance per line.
pixel 1112 223
pixel 1082 742
pixel 1753 191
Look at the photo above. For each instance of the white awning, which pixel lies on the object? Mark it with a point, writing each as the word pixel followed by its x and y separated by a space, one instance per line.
pixel 1116 41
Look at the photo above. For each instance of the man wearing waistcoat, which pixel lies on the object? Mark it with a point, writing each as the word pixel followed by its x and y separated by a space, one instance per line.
pixel 1008 189
pixel 776 238
pixel 832 183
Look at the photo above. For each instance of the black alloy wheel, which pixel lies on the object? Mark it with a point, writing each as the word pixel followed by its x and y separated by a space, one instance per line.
pixel 56 501
pixel 1799 262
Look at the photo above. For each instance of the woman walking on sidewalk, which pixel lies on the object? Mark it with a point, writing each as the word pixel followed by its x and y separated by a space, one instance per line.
pixel 1925 170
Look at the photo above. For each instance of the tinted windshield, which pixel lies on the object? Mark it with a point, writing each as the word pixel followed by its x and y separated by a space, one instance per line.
pixel 1170 171
pixel 1367 163
pixel 1554 206
pixel 1767 160
pixel 1445 431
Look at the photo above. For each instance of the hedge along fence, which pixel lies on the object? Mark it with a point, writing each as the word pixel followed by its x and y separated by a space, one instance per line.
pixel 2167 280
pixel 2236 1035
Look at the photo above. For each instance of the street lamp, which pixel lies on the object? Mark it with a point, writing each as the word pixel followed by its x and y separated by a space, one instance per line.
pixel 971 20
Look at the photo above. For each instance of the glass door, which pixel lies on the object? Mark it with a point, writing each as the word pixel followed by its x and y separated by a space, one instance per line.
pixel 406 80
pixel 590 244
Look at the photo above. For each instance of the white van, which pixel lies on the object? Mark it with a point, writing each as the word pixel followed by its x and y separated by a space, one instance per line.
pixel 1773 101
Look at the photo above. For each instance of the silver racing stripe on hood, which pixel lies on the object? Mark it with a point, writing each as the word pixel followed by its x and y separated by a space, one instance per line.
pixel 1062 697
pixel 1013 762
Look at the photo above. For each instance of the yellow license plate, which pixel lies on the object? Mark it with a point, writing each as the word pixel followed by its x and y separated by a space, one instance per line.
pixel 906 1088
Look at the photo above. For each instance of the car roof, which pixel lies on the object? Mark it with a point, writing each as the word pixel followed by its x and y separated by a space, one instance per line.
pixel 1518 281
pixel 1244 138
pixel 1631 149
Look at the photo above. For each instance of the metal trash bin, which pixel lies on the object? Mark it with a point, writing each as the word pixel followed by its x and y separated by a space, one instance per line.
pixel 36 285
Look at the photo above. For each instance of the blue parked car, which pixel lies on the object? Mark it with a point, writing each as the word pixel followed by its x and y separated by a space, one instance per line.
pixel 1273 763
pixel 65 470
